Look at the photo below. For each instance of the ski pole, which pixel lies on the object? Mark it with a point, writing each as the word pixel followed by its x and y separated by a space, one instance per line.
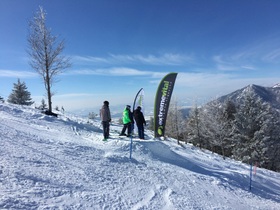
pixel 251 167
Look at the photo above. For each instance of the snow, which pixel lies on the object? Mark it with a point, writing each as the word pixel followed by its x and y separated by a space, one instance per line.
pixel 276 85
pixel 62 163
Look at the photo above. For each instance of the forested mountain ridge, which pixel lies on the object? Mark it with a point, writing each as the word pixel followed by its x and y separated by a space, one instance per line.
pixel 269 95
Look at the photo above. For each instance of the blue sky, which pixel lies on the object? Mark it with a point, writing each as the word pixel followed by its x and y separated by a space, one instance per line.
pixel 118 47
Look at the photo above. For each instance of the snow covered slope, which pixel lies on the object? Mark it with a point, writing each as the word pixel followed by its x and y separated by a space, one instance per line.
pixel 61 163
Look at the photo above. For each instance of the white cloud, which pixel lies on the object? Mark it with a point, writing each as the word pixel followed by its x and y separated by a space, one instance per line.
pixel 222 64
pixel 164 59
pixel 265 51
pixel 17 74
pixel 89 59
pixel 117 71
pixel 272 56
pixel 231 63
pixel 93 102
pixel 189 87
pixel 248 67
pixel 211 85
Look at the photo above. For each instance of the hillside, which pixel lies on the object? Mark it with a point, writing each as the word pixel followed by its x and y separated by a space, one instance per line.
pixel 270 95
pixel 61 163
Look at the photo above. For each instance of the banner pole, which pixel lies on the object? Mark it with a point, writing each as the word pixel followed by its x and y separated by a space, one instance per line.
pixel 130 147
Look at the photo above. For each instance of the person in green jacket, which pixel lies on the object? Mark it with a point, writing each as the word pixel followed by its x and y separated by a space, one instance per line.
pixel 127 121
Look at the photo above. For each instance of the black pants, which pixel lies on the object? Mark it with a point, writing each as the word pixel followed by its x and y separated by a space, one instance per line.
pixel 140 131
pixel 106 126
pixel 128 127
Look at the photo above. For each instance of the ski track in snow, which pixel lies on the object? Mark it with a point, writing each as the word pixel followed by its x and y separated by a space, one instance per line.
pixel 62 163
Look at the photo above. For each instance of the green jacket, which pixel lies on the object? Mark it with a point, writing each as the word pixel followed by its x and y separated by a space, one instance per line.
pixel 126 118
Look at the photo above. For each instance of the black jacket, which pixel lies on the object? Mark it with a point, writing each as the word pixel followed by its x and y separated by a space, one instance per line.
pixel 139 117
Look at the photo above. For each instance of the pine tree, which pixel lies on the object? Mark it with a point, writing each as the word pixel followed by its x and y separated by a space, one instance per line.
pixel 43 105
pixel 20 95
pixel 57 108
pixel 2 99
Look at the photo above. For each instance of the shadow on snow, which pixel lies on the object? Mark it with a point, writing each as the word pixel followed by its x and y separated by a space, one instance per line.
pixel 162 152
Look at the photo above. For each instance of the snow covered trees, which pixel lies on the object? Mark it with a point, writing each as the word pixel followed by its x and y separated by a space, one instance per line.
pixel 45 53
pixel 247 130
pixel 175 123
pixel 211 126
pixel 194 128
pixel 248 122
pixel 256 137
pixel 20 95
pixel 270 144
pixel 218 121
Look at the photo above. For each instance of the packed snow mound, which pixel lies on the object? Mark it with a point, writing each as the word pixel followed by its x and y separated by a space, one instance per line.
pixel 62 163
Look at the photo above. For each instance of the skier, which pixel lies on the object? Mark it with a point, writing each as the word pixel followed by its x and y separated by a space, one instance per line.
pixel 127 121
pixel 140 122
pixel 105 116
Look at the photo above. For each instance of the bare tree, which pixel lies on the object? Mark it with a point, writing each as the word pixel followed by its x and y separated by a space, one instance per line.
pixel 45 53
pixel 196 127
pixel 175 124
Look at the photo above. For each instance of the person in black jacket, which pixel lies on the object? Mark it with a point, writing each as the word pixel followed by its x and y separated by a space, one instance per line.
pixel 140 122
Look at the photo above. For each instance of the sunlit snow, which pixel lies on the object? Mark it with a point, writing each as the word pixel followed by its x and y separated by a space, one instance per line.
pixel 62 163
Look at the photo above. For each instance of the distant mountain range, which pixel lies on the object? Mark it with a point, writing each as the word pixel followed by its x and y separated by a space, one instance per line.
pixel 270 95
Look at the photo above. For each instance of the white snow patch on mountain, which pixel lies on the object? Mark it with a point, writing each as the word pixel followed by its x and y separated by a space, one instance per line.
pixel 277 85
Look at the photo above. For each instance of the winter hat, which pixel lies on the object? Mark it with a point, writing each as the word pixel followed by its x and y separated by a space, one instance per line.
pixel 139 107
pixel 106 103
pixel 128 106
